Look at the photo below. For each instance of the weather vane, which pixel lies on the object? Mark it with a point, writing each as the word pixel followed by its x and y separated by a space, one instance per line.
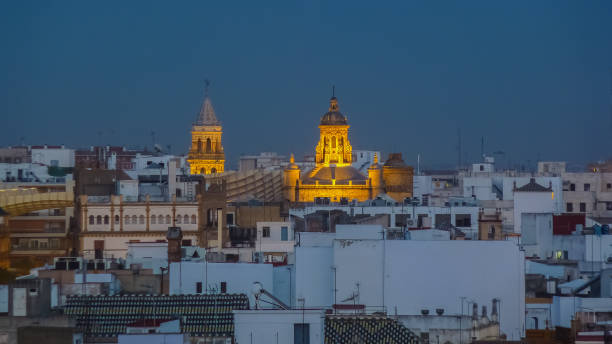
pixel 206 85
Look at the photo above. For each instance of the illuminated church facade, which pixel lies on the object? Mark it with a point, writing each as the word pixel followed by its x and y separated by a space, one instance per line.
pixel 206 155
pixel 334 177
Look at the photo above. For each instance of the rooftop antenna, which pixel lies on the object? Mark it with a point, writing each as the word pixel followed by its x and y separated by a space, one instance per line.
pixel 333 91
pixel 482 154
pixel 459 152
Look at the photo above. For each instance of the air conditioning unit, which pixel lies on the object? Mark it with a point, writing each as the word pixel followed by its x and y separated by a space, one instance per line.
pixel 410 223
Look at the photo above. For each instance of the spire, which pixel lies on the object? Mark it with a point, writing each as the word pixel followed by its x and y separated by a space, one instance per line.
pixel 207 113
pixel 292 159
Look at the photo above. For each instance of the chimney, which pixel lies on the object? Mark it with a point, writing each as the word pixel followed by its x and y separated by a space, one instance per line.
pixel 494 316
pixel 475 321
pixel 175 237
pixel 484 320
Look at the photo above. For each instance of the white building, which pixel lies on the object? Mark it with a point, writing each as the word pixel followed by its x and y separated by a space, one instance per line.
pixel 362 159
pixel 232 278
pixel 381 273
pixel 462 215
pixel 275 240
pixel 534 198
pixel 279 326
pixel 57 156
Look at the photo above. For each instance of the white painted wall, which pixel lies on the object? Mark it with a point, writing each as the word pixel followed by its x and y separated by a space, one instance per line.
pixel 64 157
pixel 154 338
pixel 276 326
pixel 537 234
pixel 534 202
pixel 314 276
pixel 421 186
pixel 412 273
pixel 238 276
pixel 117 246
pixel 481 187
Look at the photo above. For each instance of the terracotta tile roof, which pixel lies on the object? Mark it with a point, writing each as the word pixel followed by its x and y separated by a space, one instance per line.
pixel 532 186
pixel 201 315
pixel 366 329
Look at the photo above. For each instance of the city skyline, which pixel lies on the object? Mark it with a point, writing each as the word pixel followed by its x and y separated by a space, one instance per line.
pixel 529 78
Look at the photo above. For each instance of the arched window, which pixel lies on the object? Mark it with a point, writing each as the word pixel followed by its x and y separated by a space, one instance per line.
pixel 193 219
pixel 106 218
pixel 134 219
pixel 117 219
pixel 333 142
pixel 153 218
pixel 141 219
pixel 168 219
pixel 213 170
pixel 203 171
pixel 160 219
pixel 199 146
pixel 178 219
pixel 91 219
pixel 126 220
pixel 185 219
pixel 208 146
pixel 99 220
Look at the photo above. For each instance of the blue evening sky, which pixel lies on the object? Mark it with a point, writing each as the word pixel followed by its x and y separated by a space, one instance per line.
pixel 532 77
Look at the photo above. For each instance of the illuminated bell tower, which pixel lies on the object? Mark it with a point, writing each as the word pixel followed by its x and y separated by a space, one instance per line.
pixel 206 154
pixel 334 147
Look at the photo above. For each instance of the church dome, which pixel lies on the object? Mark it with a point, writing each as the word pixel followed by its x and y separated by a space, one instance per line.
pixel 333 116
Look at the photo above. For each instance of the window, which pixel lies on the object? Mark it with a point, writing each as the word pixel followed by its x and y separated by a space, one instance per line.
pixel 126 220
pixel 582 207
pixel 178 219
pixel 482 167
pixel 134 219
pixel 117 219
pixel 266 232
pixel 106 219
pixel 609 186
pixel 186 242
pixel 229 219
pixel 491 234
pixel 141 219
pixel 185 219
pixel 463 220
pixel 587 187
pixel 153 219
pixel 168 219
pixel 99 220
pixel 91 219
pixel 223 287
pixel 569 207
pixel 284 233
pixel 54 243
pixel 198 287
pixel 608 205
pixel 301 333
pixel 193 219
pixel 160 219
pixel 572 187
